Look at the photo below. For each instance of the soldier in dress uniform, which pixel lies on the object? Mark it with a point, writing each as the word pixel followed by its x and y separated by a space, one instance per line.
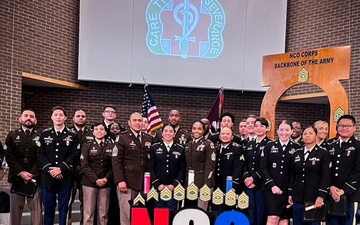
pixel 145 124
pixel 167 165
pixel 229 162
pixel 310 178
pixel 250 124
pixel 275 166
pixel 252 175
pixel 58 150
pixel 21 151
pixel 226 120
pixel 84 135
pixel 97 177
pixel 345 170
pixel 182 136
pixel 200 157
pixel 115 131
pixel 109 114
pixel 297 131
pixel 243 130
pixel 208 132
pixel 322 128
pixel 129 164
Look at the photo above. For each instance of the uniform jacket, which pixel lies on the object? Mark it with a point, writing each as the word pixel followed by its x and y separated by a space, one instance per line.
pixel 182 137
pixel 310 178
pixel 253 152
pixel 96 163
pixel 130 159
pixel 276 164
pixel 83 137
pixel 167 167
pixel 324 145
pixel 229 162
pixel 200 157
pixel 215 138
pixel 21 150
pixel 345 170
pixel 57 151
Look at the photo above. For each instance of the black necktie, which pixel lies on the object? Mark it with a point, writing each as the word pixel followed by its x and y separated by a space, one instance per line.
pixel 101 143
pixel 306 155
pixel 27 132
pixel 283 147
pixel 58 133
pixel 139 137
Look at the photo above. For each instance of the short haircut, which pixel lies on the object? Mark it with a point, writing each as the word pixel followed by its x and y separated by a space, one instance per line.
pixel 229 115
pixel 78 110
pixel 58 108
pixel 347 116
pixel 98 124
pixel 27 109
pixel 109 106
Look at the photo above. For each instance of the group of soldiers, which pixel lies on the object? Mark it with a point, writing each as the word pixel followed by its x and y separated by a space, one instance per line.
pixel 106 165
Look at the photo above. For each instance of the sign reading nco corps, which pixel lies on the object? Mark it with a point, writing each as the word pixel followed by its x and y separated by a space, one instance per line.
pixel 321 67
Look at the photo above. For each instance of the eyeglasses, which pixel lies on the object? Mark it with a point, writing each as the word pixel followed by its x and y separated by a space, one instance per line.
pixel 345 125
pixel 110 112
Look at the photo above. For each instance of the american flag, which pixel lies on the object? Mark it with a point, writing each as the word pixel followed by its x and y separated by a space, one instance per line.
pixel 149 110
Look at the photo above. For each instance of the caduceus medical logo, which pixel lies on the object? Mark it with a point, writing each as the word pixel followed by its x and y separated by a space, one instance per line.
pixel 185 28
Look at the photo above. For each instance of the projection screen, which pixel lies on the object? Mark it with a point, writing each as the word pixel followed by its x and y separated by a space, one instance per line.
pixel 187 43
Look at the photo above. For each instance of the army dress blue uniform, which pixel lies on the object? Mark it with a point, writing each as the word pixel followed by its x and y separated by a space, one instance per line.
pixel 309 180
pixel 57 150
pixel 229 162
pixel 275 167
pixel 345 175
pixel 182 136
pixel 253 151
pixel 167 166
pixel 215 138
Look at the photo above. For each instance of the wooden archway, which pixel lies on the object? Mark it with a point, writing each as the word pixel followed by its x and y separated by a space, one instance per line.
pixel 321 67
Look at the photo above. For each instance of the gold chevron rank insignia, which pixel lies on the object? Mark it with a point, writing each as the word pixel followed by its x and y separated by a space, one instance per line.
pixel 205 193
pixel 153 194
pixel 192 192
pixel 218 197
pixel 243 201
pixel 179 193
pixel 139 199
pixel 165 194
pixel 230 198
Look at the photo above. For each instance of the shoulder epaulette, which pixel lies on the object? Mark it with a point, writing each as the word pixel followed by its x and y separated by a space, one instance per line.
pixel 47 129
pixel 71 130
pixel 235 144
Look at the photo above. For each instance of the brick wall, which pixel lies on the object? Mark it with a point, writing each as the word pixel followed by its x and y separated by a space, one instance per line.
pixel 44 39
pixel 193 103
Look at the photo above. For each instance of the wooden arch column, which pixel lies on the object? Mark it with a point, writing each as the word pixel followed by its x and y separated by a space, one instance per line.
pixel 321 67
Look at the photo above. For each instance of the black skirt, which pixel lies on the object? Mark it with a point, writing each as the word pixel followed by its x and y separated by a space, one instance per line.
pixel 275 205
